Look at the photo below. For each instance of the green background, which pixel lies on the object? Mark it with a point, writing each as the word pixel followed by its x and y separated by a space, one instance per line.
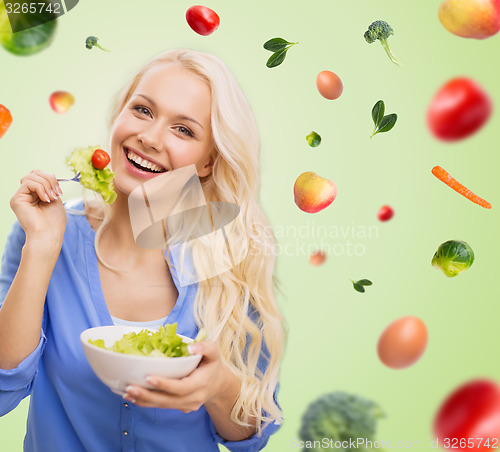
pixel 333 329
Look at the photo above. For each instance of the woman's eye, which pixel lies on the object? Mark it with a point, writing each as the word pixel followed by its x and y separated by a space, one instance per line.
pixel 142 110
pixel 185 131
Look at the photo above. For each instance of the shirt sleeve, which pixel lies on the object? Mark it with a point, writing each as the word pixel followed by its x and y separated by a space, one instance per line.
pixel 15 384
pixel 252 444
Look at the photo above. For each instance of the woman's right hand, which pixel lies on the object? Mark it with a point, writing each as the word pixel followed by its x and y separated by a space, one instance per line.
pixel 39 209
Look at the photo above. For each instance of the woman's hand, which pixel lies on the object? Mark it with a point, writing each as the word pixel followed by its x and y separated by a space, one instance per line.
pixel 212 384
pixel 39 209
pixel 206 383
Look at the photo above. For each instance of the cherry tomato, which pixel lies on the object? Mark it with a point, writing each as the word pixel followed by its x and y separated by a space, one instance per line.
pixel 100 159
pixel 202 20
pixel 460 108
pixel 385 213
pixel 471 412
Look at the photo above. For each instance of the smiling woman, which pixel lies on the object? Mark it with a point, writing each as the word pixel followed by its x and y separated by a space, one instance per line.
pixel 163 126
pixel 184 109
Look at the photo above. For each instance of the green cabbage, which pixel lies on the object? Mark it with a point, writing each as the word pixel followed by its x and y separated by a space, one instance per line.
pixel 453 257
pixel 98 180
pixel 164 342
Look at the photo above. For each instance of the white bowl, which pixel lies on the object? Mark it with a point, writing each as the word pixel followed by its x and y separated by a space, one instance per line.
pixel 118 370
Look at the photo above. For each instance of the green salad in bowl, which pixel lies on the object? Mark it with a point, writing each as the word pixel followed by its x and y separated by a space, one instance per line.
pixel 122 355
pixel 162 343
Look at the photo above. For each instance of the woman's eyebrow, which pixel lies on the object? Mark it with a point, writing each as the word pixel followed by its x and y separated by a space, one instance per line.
pixel 151 101
pixel 187 118
pixel 184 117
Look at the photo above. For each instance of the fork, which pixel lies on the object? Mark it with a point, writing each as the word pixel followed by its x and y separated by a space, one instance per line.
pixel 76 178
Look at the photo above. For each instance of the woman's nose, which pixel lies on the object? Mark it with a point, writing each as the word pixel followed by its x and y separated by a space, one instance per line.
pixel 151 137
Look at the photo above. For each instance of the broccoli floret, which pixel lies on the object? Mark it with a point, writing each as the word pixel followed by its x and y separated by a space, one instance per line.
pixel 339 416
pixel 91 41
pixel 381 30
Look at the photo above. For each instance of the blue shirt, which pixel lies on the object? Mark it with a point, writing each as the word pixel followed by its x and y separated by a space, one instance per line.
pixel 70 408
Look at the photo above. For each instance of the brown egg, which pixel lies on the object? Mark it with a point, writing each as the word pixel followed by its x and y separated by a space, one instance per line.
pixel 329 85
pixel 402 343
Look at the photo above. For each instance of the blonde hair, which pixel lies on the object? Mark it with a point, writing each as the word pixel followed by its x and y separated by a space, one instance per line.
pixel 238 307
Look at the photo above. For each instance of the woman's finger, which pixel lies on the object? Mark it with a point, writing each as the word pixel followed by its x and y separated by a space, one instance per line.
pixel 34 183
pixel 33 187
pixel 208 349
pixel 150 398
pixel 147 398
pixel 174 386
pixel 52 180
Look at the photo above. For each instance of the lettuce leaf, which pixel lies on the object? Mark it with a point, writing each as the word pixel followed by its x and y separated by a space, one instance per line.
pixel 164 342
pixel 100 181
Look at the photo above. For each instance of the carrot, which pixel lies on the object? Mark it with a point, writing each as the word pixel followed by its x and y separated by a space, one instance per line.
pixel 5 120
pixel 445 177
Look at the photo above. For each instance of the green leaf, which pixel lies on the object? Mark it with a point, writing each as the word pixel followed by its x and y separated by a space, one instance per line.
pixel 358 287
pixel 378 112
pixel 276 58
pixel 365 282
pixel 276 44
pixel 387 123
pixel 313 139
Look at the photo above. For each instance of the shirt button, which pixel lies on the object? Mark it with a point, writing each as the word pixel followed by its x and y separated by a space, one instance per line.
pixel 125 405
pixel 125 432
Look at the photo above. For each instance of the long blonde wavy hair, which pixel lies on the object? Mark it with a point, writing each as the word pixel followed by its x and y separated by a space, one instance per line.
pixel 238 307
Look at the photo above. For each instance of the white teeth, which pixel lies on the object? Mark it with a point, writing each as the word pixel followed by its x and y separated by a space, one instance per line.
pixel 142 162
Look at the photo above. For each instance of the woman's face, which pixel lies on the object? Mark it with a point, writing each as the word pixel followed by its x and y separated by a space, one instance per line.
pixel 164 126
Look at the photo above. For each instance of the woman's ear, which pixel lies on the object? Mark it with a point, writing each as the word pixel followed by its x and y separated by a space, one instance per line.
pixel 207 169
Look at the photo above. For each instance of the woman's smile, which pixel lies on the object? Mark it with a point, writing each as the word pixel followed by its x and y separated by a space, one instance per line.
pixel 140 165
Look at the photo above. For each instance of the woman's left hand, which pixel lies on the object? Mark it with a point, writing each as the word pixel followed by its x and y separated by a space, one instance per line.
pixel 207 382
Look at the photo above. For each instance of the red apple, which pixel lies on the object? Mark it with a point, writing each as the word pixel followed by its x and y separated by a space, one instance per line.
pixel 313 193
pixel 478 19
pixel 61 101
